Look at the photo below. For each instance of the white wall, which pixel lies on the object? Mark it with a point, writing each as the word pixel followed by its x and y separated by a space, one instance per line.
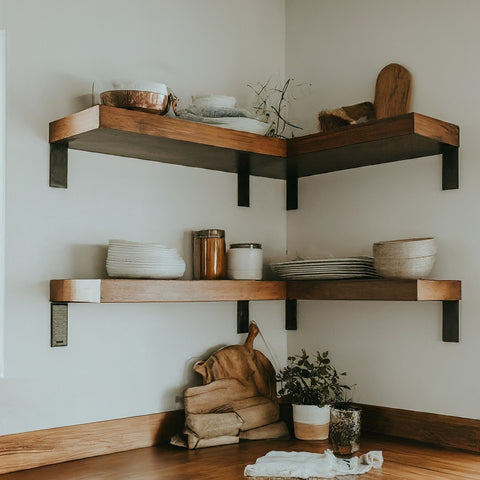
pixel 392 351
pixel 2 191
pixel 122 360
pixel 125 360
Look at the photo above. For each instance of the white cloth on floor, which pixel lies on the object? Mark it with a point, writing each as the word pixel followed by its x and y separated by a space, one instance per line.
pixel 307 465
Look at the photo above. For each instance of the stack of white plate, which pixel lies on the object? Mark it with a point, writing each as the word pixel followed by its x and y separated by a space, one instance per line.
pixel 326 269
pixel 127 259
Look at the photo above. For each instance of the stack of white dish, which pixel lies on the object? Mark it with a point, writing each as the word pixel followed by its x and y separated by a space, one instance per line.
pixel 326 269
pixel 220 110
pixel 409 258
pixel 127 259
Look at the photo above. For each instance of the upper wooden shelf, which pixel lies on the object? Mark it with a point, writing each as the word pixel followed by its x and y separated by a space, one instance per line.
pixel 137 291
pixel 148 136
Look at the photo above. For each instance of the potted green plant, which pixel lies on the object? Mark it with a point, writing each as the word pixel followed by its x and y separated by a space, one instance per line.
pixel 311 386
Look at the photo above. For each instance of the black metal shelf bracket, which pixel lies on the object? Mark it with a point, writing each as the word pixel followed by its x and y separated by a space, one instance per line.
pixel 58 165
pixel 290 314
pixel 58 324
pixel 451 321
pixel 450 168
pixel 292 185
pixel 292 193
pixel 243 316
pixel 243 179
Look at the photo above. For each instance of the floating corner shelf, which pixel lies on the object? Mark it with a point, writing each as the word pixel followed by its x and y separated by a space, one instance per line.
pixel 147 136
pixel 63 292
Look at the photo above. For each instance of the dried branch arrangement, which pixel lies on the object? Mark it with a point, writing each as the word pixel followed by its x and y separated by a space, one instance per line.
pixel 271 105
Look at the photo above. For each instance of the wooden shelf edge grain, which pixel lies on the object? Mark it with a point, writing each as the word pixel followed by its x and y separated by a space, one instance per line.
pixel 146 136
pixel 113 290
pixel 67 128
pixel 129 121
pixel 377 289
pixel 375 130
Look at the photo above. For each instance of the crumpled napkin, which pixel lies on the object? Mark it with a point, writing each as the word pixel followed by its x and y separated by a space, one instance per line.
pixel 306 465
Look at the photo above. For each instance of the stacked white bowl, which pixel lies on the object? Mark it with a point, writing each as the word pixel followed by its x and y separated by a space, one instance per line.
pixel 409 258
pixel 127 259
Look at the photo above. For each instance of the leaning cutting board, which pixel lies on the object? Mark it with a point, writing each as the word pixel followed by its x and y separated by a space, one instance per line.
pixel 392 91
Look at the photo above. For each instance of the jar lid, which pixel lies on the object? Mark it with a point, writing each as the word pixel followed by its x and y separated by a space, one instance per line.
pixel 245 245
pixel 210 233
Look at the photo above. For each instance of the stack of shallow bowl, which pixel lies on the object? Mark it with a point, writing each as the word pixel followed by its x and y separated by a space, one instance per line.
pixel 410 258
pixel 127 259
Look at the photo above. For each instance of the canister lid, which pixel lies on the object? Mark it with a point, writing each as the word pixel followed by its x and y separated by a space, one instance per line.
pixel 210 233
pixel 245 245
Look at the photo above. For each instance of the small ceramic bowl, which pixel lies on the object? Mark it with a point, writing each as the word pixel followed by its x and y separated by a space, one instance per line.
pixel 215 101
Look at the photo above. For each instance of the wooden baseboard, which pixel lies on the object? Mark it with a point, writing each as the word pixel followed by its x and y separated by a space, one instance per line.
pixel 22 451
pixel 443 430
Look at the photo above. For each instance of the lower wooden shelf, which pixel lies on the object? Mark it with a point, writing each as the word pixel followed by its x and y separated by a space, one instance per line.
pixel 113 290
pixel 381 289
pixel 110 290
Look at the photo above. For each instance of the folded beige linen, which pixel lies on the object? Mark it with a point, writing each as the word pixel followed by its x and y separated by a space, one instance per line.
pixel 306 465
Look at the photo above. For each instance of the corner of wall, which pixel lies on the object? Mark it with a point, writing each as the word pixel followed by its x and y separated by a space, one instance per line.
pixel 2 194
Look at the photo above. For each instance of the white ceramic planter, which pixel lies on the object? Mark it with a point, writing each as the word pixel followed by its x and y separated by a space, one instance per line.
pixel 311 422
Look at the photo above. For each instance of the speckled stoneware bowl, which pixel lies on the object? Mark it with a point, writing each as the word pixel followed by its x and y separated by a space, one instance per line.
pixel 409 258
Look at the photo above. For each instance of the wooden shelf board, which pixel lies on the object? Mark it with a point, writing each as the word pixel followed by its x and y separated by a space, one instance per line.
pixel 149 291
pixel 138 291
pixel 122 132
pixel 127 133
pixel 382 141
pixel 378 289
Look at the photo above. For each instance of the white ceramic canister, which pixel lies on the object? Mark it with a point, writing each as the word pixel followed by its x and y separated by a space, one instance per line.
pixel 245 261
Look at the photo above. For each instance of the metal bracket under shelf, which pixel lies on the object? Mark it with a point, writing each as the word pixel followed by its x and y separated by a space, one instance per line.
pixel 243 316
pixel 290 314
pixel 58 324
pixel 450 319
pixel 243 179
pixel 450 168
pixel 59 321
pixel 58 165
pixel 59 172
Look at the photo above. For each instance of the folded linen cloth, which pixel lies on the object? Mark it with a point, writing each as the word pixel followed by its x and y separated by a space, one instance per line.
pixel 308 465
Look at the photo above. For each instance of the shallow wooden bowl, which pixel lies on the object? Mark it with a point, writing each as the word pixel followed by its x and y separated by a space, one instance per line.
pixel 150 102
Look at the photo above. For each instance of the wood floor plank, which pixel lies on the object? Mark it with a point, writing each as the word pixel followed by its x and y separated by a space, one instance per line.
pixel 403 460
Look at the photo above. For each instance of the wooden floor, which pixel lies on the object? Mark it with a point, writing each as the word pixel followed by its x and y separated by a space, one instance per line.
pixel 403 460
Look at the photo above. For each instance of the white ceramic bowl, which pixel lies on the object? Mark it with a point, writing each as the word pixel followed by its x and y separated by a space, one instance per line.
pixel 215 101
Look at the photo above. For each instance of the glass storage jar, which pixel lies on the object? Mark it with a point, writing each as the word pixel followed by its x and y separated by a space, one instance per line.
pixel 245 261
pixel 209 262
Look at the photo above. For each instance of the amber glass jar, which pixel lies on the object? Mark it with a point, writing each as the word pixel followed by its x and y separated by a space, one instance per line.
pixel 209 260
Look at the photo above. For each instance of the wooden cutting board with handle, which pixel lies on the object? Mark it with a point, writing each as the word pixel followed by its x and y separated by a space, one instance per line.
pixel 392 91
